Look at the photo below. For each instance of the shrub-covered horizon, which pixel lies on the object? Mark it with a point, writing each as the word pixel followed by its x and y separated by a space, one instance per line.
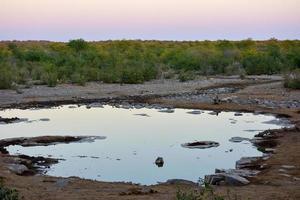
pixel 136 61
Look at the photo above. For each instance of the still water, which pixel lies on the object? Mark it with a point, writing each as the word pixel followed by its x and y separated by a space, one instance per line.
pixel 134 141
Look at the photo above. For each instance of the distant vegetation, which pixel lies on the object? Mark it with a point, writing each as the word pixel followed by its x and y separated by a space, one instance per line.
pixel 126 61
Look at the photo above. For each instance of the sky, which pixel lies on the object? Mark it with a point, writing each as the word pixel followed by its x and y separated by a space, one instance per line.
pixel 61 20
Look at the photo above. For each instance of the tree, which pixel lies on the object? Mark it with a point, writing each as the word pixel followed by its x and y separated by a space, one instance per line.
pixel 78 45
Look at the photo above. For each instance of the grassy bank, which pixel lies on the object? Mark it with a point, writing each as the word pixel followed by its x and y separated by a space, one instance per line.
pixel 125 61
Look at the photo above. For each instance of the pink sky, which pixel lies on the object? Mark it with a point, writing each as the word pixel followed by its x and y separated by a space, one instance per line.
pixel 149 19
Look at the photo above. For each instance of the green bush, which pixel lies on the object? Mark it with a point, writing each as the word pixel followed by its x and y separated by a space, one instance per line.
pixel 7 194
pixel 6 78
pixel 186 76
pixel 129 61
pixel 292 79
pixel 131 76
pixel 78 79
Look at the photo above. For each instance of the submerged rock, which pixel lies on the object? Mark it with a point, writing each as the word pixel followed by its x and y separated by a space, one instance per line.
pixel 238 139
pixel 143 115
pixel 238 114
pixel 194 112
pixel 44 119
pixel 200 144
pixel 214 113
pixel 159 162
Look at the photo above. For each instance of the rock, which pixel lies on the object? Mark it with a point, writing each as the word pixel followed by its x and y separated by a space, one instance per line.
pixel 214 179
pixel 12 120
pixel 72 107
pixel 47 140
pixel 248 162
pixel 214 113
pixel 61 183
pixel 167 111
pixel 285 175
pixel 233 179
pixel 238 114
pixel 159 162
pixel 288 167
pixel 282 170
pixel 180 181
pixel 200 144
pixel 296 179
pixel 194 112
pixel 44 119
pixel 227 179
pixel 95 105
pixel 18 169
pixel 227 99
pixel 269 150
pixel 239 172
pixel 142 114
pixel 238 139
pixel 216 100
pixel 139 106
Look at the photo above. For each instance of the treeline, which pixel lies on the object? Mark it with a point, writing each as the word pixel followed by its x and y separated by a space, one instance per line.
pixel 78 61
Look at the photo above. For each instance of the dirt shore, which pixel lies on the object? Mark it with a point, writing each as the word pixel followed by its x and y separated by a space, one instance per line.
pixel 254 94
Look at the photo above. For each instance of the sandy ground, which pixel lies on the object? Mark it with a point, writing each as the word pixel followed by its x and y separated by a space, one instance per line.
pixel 253 94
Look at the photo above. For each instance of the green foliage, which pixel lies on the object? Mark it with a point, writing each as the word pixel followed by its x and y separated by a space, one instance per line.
pixel 186 76
pixel 204 192
pixel 8 194
pixel 126 61
pixel 6 78
pixel 49 75
pixel 78 45
pixel 292 79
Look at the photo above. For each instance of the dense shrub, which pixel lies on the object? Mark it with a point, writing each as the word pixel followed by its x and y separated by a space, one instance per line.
pixel 6 78
pixel 292 79
pixel 186 76
pixel 6 193
pixel 78 61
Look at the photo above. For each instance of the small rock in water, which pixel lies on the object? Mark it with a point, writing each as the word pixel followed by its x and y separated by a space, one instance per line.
pixel 194 112
pixel 142 114
pixel 238 139
pixel 159 162
pixel 44 119
pixel 200 144
pixel 238 114
pixel 214 113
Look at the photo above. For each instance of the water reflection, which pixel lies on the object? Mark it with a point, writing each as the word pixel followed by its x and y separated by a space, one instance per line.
pixel 135 139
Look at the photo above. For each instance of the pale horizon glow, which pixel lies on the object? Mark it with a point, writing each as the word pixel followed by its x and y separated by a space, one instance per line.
pixel 61 20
